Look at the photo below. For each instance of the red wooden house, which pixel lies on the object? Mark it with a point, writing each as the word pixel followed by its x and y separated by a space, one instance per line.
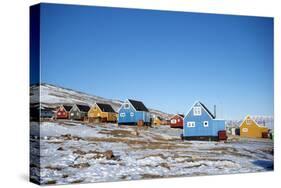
pixel 177 121
pixel 63 112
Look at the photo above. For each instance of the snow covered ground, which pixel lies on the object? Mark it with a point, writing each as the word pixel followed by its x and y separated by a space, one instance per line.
pixel 72 152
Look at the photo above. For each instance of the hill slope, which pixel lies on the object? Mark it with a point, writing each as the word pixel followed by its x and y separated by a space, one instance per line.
pixel 52 96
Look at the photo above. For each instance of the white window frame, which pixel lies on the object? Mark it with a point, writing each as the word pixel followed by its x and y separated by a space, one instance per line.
pixel 245 130
pixel 122 114
pixel 173 121
pixel 190 124
pixel 132 114
pixel 248 121
pixel 197 111
pixel 207 125
pixel 126 104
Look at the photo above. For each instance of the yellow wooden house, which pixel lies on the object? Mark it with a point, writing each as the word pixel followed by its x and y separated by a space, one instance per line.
pixel 251 129
pixel 100 112
pixel 157 120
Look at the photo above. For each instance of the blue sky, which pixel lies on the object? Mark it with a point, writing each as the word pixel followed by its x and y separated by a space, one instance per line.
pixel 166 59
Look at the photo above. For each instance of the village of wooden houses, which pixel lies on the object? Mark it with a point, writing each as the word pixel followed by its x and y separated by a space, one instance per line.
pixel 113 140
pixel 199 123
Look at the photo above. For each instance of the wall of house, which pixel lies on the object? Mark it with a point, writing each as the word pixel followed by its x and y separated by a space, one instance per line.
pixel 75 114
pixel 46 114
pixel 97 113
pixel 61 114
pixel 111 117
pixel 199 130
pixel 251 130
pixel 178 121
pixel 134 118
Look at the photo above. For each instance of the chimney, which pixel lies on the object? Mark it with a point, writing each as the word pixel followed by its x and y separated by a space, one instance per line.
pixel 215 111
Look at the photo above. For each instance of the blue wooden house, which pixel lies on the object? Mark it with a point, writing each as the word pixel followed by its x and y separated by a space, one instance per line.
pixel 201 124
pixel 131 112
pixel 46 112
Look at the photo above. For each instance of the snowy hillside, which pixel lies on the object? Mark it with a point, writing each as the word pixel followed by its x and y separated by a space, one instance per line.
pixel 52 96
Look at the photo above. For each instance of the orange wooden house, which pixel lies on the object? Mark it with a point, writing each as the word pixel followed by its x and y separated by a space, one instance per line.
pixel 100 112
pixel 251 129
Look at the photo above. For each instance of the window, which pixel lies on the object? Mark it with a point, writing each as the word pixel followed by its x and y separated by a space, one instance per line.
pixel 122 114
pixel 245 130
pixel 206 124
pixel 197 111
pixel 72 114
pixel 179 120
pixel 95 108
pixel 248 121
pixel 126 105
pixel 191 124
pixel 173 121
pixel 132 114
pixel 59 113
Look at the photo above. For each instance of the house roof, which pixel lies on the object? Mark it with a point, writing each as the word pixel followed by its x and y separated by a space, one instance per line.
pixel 83 108
pixel 203 106
pixel 207 110
pixel 105 107
pixel 138 105
pixel 251 118
pixel 47 109
pixel 67 107
pixel 181 115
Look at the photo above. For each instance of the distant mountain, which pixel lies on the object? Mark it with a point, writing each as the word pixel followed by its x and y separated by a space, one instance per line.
pixel 52 96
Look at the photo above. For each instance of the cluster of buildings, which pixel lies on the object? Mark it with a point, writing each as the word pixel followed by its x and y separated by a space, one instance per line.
pixel 99 112
pixel 199 123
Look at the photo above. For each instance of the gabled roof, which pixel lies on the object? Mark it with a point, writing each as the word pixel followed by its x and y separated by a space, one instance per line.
pixel 249 117
pixel 105 107
pixel 47 109
pixel 203 106
pixel 138 105
pixel 83 108
pixel 179 115
pixel 207 110
pixel 67 107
